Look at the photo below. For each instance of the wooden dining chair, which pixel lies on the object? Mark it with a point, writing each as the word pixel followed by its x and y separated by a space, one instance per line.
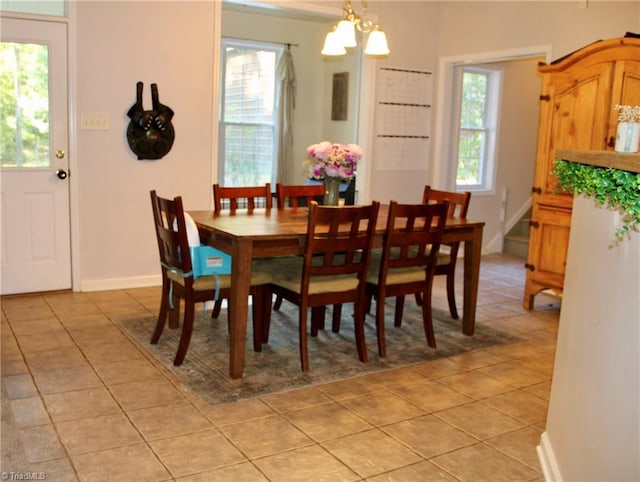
pixel 333 269
pixel 239 197
pixel 458 207
pixel 179 282
pixel 242 197
pixel 406 265
pixel 290 195
pixel 294 196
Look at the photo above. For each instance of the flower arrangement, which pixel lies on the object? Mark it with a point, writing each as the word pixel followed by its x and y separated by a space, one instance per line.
pixel 630 114
pixel 327 159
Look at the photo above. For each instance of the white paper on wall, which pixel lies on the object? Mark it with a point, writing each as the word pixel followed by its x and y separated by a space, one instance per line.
pixel 403 119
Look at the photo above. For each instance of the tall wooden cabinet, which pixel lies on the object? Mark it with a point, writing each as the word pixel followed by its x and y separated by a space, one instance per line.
pixel 577 102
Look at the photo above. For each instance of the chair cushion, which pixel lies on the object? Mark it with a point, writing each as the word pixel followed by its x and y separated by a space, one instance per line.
pixel 443 259
pixel 203 283
pixel 287 273
pixel 394 276
pixel 206 283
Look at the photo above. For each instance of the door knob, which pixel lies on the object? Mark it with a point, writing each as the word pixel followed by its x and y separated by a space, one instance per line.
pixel 61 173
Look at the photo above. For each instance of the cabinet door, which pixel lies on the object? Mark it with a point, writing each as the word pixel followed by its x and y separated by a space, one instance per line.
pixel 576 116
pixel 625 91
pixel 546 264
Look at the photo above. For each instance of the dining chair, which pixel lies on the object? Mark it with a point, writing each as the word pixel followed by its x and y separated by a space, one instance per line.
pixel 407 262
pixel 446 265
pixel 180 284
pixel 291 195
pixel 333 269
pixel 294 196
pixel 239 197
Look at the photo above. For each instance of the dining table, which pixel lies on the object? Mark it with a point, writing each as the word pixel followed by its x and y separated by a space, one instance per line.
pixel 250 234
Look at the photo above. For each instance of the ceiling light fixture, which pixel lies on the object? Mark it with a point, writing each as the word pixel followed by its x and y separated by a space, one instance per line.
pixel 344 33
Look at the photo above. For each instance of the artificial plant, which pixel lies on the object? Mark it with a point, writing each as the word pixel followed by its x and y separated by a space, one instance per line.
pixel 611 187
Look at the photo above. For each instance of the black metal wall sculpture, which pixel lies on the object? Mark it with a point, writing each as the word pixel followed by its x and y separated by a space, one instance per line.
pixel 150 133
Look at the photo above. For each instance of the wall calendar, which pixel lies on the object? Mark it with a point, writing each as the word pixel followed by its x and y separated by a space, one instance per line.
pixel 403 119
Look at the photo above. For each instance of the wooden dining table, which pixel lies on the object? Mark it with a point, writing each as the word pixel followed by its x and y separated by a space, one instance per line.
pixel 247 235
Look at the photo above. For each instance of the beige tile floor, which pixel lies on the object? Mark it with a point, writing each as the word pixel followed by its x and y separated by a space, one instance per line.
pixel 81 401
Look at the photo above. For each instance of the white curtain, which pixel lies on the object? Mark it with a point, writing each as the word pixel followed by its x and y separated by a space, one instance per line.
pixel 287 79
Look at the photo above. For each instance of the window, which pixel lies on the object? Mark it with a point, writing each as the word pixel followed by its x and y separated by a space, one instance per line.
pixel 248 124
pixel 24 105
pixel 479 97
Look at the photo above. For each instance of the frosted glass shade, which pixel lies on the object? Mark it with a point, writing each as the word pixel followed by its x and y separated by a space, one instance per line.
pixel 333 45
pixel 377 43
pixel 347 33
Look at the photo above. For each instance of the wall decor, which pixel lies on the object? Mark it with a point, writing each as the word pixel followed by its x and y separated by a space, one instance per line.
pixel 340 96
pixel 150 133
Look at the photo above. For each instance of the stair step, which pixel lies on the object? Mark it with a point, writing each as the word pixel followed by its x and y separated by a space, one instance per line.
pixel 516 245
pixel 521 228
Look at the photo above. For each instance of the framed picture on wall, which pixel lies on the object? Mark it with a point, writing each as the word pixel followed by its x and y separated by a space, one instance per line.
pixel 340 96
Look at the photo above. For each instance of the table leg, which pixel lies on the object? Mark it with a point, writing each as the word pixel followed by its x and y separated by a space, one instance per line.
pixel 472 256
pixel 239 305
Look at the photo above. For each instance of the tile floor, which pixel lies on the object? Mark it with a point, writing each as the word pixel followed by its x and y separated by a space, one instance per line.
pixel 81 401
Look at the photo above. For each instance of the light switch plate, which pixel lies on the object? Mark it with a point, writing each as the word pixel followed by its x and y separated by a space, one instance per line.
pixel 96 121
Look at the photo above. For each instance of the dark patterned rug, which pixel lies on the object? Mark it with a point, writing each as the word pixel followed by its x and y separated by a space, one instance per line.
pixel 332 356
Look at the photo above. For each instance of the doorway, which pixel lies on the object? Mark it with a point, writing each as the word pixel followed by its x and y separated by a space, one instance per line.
pixel 509 198
pixel 35 220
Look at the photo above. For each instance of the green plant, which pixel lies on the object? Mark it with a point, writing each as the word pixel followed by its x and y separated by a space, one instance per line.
pixel 611 187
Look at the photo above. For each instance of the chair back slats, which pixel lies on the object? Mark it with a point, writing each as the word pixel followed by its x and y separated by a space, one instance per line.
pixel 171 233
pixel 458 201
pixel 339 240
pixel 294 196
pixel 413 236
pixel 242 197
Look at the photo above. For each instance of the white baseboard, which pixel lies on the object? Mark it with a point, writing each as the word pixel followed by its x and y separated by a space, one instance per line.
pixel 495 245
pixel 547 459
pixel 104 284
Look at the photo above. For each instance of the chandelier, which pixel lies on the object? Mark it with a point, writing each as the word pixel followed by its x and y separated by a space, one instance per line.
pixel 343 35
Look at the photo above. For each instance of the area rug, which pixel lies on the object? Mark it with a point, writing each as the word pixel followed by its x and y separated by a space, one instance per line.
pixel 332 356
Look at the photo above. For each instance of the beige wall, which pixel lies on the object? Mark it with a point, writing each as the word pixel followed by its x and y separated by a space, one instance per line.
pixel 172 43
pixel 430 31
pixel 593 425
pixel 118 44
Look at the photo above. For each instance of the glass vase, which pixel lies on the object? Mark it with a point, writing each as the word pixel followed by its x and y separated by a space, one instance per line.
pixel 332 191
pixel 627 137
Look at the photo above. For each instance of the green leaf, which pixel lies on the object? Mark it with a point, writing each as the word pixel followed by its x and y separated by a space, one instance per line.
pixel 615 188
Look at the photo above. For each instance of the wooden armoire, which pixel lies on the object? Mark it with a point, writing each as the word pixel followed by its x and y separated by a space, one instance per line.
pixel 579 93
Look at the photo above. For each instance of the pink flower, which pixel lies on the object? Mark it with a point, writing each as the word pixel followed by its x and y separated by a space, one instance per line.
pixel 327 159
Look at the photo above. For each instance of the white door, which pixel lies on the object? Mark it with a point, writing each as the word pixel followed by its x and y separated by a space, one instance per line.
pixel 35 251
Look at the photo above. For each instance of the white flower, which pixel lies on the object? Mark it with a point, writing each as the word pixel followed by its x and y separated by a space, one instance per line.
pixel 628 113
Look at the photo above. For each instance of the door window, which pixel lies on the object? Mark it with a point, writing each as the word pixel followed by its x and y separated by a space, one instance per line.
pixel 24 105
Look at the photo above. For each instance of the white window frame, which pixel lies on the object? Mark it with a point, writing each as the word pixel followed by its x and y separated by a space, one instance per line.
pixel 279 50
pixel 488 168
